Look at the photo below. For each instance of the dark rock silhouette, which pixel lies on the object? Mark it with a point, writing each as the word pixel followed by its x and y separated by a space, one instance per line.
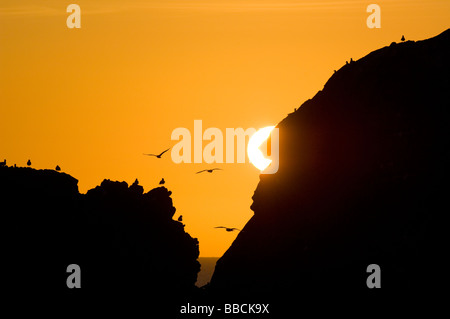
pixel 124 240
pixel 363 178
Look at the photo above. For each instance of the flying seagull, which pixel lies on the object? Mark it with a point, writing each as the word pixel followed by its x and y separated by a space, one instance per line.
pixel 158 156
pixel 209 170
pixel 227 228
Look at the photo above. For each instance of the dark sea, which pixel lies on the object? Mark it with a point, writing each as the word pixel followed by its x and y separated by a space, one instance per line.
pixel 206 271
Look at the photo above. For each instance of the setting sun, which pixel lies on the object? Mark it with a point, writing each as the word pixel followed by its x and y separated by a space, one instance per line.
pixel 254 153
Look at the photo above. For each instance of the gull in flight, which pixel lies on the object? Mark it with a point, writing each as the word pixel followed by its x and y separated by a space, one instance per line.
pixel 209 170
pixel 158 156
pixel 227 228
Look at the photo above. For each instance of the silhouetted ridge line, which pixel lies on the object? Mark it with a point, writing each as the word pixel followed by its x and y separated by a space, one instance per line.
pixel 124 240
pixel 363 178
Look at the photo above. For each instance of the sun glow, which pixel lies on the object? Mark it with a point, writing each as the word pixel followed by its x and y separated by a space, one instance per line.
pixel 255 155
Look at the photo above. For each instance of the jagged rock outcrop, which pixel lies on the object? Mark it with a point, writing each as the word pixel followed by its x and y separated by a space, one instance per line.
pixel 124 240
pixel 363 179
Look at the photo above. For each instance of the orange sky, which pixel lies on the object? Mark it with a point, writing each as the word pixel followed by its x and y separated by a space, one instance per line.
pixel 92 100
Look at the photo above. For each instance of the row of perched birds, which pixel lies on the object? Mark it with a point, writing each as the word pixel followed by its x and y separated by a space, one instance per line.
pixel 57 168
pixel 209 170
pixel 351 59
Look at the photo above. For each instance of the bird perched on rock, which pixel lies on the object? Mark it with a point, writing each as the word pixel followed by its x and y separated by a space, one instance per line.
pixel 29 163
pixel 180 219
pixel 162 182
pixel 228 229
pixel 3 163
pixel 57 168
pixel 158 155
pixel 136 188
pixel 403 38
pixel 209 170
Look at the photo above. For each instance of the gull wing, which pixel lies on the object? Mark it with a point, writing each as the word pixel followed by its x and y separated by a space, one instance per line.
pixel 164 151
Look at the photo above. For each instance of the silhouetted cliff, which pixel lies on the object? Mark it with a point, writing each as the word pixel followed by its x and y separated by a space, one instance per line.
pixel 124 240
pixel 363 179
